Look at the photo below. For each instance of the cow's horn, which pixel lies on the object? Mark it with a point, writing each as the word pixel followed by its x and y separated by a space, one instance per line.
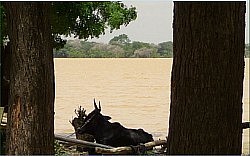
pixel 95 105
pixel 99 105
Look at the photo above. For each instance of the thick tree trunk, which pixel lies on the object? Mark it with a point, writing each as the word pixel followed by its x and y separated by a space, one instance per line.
pixel 5 76
pixel 207 78
pixel 31 104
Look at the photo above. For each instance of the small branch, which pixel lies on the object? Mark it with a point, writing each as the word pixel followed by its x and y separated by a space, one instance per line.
pixel 129 150
pixel 245 125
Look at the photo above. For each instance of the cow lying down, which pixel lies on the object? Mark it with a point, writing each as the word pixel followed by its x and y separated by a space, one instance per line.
pixel 113 134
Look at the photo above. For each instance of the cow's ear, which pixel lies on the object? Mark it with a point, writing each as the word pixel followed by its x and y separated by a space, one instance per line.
pixel 107 117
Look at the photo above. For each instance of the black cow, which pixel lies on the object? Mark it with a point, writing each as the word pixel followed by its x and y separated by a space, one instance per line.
pixel 113 134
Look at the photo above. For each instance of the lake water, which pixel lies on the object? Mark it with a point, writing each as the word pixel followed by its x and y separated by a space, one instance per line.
pixel 134 92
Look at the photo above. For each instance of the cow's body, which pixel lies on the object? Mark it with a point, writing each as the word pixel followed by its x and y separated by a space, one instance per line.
pixel 113 134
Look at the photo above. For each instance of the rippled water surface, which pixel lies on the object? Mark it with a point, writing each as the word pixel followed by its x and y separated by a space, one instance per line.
pixel 134 92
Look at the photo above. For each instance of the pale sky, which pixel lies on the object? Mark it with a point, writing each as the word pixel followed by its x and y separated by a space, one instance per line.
pixel 153 23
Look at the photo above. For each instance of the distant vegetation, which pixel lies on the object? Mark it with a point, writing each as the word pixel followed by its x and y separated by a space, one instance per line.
pixel 247 50
pixel 119 47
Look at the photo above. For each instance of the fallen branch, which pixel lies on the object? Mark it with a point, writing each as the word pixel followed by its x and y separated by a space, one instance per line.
pixel 81 142
pixel 129 150
pixel 245 125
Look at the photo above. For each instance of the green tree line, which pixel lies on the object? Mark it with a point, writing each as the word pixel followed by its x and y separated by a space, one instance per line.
pixel 247 50
pixel 119 47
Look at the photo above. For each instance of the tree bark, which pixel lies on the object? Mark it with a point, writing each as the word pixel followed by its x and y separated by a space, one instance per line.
pixel 207 78
pixel 31 104
pixel 5 76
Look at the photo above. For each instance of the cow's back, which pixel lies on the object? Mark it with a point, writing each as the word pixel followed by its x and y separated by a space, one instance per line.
pixel 145 136
pixel 140 136
pixel 117 135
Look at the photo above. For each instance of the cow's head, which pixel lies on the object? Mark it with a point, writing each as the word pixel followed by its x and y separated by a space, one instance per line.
pixel 93 120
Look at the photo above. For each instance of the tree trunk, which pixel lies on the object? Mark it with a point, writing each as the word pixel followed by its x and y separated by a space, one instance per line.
pixel 207 78
pixel 31 103
pixel 5 76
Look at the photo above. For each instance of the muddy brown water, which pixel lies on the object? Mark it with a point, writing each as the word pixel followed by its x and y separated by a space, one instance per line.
pixel 134 92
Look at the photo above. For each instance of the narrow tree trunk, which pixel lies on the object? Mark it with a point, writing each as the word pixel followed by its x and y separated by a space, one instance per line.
pixel 207 78
pixel 31 104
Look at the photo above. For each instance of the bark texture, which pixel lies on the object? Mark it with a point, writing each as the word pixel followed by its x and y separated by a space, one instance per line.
pixel 207 78
pixel 5 76
pixel 31 103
